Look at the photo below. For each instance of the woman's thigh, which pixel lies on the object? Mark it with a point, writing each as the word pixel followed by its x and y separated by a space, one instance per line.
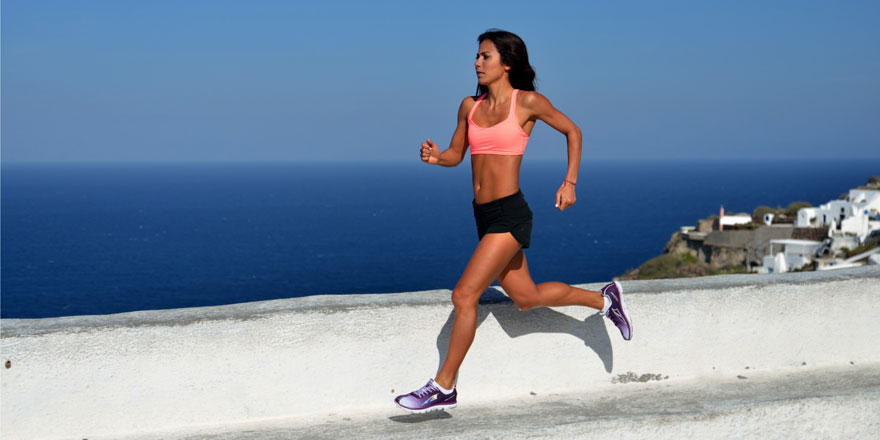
pixel 516 280
pixel 491 257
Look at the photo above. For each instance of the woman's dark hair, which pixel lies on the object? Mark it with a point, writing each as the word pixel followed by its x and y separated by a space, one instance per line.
pixel 513 53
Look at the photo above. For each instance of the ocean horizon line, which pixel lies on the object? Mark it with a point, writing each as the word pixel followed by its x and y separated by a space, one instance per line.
pixel 415 161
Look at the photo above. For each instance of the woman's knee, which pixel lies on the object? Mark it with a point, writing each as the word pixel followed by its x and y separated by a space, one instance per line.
pixel 524 293
pixel 464 298
pixel 525 301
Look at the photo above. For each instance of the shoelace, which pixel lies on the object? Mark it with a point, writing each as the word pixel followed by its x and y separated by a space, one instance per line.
pixel 425 390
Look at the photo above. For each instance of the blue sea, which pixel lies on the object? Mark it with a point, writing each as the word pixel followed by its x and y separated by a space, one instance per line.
pixel 83 239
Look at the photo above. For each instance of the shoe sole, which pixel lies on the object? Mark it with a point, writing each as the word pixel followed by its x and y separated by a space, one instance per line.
pixel 625 311
pixel 429 409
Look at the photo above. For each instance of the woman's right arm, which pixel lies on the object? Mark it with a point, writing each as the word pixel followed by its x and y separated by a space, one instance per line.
pixel 453 155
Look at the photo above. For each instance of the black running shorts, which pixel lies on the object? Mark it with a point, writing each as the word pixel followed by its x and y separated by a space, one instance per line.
pixel 507 214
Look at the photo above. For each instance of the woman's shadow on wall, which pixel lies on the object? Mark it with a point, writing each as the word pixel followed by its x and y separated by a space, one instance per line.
pixel 516 323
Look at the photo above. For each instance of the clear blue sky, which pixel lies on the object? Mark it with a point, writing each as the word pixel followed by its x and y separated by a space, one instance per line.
pixel 289 80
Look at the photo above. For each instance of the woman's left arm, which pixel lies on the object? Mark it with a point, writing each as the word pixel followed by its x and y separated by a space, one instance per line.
pixel 540 108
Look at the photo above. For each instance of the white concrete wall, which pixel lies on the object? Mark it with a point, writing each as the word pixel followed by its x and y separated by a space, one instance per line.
pixel 94 376
pixel 730 220
pixel 866 198
pixel 856 224
pixel 807 217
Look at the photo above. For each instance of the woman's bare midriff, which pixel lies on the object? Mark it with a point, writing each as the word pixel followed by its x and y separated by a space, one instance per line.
pixel 494 176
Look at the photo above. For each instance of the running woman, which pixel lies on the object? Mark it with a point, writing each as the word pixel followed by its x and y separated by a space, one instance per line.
pixel 496 123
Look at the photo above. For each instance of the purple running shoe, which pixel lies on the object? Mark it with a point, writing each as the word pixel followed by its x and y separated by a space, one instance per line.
pixel 617 312
pixel 426 399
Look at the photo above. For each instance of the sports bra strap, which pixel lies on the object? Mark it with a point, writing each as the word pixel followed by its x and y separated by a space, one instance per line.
pixel 474 108
pixel 512 111
pixel 513 104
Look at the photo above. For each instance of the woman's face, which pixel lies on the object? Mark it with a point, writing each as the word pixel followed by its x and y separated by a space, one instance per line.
pixel 488 63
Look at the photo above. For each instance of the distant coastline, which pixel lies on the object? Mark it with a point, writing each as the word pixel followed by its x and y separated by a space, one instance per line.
pixel 742 243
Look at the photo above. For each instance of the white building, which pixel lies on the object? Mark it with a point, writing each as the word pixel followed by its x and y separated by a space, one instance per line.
pixel 730 220
pixel 858 214
pixel 786 255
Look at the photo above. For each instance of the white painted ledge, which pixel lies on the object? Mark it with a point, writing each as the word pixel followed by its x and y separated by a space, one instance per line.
pixel 139 372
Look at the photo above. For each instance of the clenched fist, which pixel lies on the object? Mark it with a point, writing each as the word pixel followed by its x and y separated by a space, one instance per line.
pixel 430 152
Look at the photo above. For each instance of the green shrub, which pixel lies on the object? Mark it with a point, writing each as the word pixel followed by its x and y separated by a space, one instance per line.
pixel 683 265
pixel 744 226
pixel 730 268
pixel 663 266
pixel 759 213
pixel 859 249
pixel 809 267
pixel 794 207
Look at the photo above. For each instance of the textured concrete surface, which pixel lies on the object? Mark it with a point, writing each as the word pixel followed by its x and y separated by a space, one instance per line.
pixel 326 303
pixel 171 370
pixel 825 403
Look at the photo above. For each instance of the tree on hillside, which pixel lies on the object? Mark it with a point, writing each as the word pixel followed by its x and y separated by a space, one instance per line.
pixel 794 207
pixel 759 213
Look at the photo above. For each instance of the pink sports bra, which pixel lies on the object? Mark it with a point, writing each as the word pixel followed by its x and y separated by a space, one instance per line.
pixel 505 138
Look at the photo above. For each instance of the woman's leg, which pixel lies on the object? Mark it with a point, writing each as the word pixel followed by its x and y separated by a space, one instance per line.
pixel 492 255
pixel 518 284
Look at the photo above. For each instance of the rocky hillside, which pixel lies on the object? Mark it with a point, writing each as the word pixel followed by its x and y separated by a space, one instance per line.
pixel 680 260
pixel 706 250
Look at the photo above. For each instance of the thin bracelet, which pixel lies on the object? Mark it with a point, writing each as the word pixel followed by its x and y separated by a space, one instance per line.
pixel 569 181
